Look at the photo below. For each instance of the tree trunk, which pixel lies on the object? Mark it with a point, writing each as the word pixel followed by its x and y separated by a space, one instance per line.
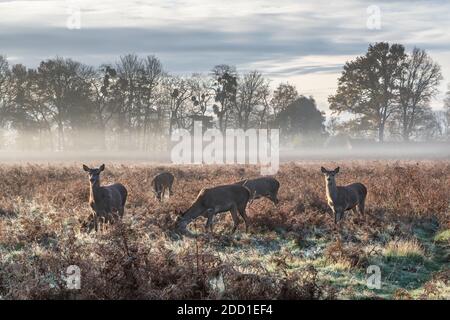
pixel 381 133
pixel 60 137
pixel 406 136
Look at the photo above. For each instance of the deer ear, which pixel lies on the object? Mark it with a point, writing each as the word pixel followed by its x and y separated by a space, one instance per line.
pixel 85 168
pixel 336 170
pixel 323 169
pixel 102 167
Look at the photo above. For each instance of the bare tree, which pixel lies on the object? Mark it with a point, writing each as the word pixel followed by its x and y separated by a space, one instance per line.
pixel 419 83
pixel 153 74
pixel 103 85
pixel 201 98
pixel 178 93
pixel 4 88
pixel 130 70
pixel 225 89
pixel 252 89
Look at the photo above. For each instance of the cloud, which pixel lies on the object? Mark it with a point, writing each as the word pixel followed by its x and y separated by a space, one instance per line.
pixel 278 38
pixel 241 32
pixel 205 47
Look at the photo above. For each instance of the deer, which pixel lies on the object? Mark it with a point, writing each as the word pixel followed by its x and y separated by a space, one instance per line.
pixel 107 202
pixel 262 187
pixel 343 198
pixel 162 182
pixel 209 202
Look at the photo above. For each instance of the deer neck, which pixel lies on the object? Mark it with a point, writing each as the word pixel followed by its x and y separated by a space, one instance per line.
pixel 192 213
pixel 95 190
pixel 331 190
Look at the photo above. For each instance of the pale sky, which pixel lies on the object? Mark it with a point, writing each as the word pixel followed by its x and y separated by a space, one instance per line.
pixel 303 42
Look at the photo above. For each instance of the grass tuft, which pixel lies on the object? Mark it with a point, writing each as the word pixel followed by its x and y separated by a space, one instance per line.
pixel 408 250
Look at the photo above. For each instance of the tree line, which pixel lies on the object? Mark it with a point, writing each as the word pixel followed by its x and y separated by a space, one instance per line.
pixel 389 91
pixel 135 104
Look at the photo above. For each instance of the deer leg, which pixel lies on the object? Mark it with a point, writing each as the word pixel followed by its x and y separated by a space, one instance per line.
pixel 209 222
pixel 361 207
pixel 118 213
pixel 235 217
pixel 244 216
pixel 338 215
pixel 170 191
pixel 95 223
pixel 273 198
pixel 158 195
pixel 333 212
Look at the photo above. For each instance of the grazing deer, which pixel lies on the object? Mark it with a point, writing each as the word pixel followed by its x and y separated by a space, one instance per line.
pixel 106 201
pixel 343 198
pixel 262 187
pixel 212 201
pixel 161 182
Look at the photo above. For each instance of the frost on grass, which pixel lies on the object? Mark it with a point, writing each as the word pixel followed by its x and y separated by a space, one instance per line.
pixel 293 250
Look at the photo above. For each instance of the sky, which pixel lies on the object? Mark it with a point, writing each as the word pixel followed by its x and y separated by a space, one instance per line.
pixel 305 43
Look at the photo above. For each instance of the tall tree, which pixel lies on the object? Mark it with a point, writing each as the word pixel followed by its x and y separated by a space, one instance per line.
pixel 20 107
pixel 252 90
pixel 446 112
pixel 368 86
pixel 283 96
pixel 301 117
pixel 179 94
pixel 419 83
pixel 201 97
pixel 130 69
pixel 63 87
pixel 153 74
pixel 4 88
pixel 104 87
pixel 447 98
pixel 225 89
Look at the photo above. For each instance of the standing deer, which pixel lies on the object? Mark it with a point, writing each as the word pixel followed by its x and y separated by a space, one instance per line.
pixel 343 198
pixel 219 199
pixel 262 187
pixel 161 182
pixel 106 201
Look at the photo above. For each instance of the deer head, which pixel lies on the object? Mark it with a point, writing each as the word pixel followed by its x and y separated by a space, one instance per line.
pixel 94 173
pixel 329 174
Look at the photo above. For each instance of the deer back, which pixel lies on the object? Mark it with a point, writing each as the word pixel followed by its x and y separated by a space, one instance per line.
pixel 262 186
pixel 162 180
pixel 351 195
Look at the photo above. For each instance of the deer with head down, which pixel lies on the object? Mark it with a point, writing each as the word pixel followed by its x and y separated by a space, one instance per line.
pixel 108 202
pixel 215 200
pixel 343 198
pixel 266 187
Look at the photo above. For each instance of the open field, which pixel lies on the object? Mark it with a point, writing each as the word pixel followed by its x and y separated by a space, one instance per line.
pixel 292 251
